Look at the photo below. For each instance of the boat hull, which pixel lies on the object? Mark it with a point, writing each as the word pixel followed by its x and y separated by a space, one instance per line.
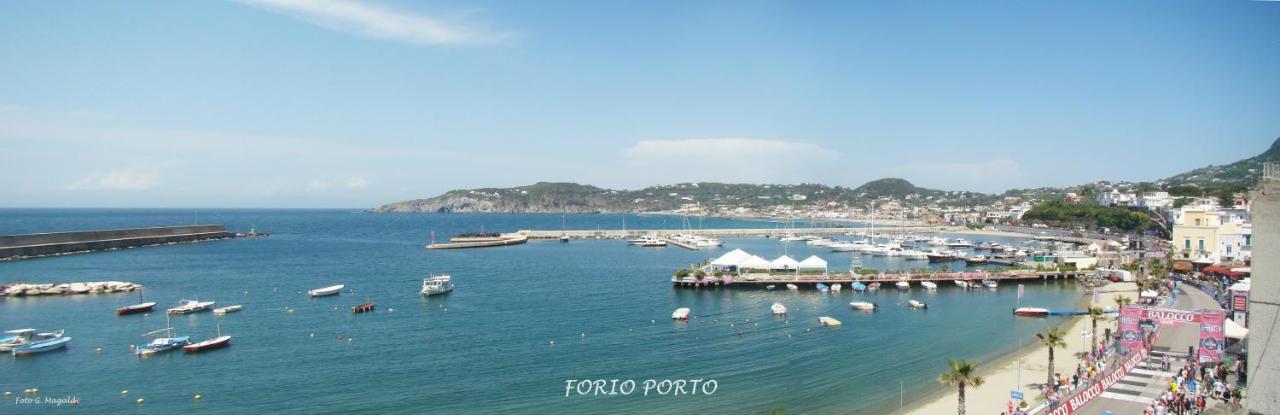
pixel 41 347
pixel 212 344
pixel 136 308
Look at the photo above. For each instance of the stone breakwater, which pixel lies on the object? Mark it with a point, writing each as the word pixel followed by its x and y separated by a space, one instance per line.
pixel 72 288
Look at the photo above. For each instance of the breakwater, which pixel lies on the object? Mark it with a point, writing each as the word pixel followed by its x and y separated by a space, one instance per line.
pixel 13 247
pixel 718 232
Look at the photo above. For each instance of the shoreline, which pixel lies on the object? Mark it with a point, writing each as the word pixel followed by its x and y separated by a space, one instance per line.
pixel 1032 359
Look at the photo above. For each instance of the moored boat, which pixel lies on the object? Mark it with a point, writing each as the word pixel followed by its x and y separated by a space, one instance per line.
pixel 858 286
pixel 136 308
pixel 873 286
pixel 190 306
pixel 792 287
pixel 929 285
pixel 214 343
pixel 976 260
pixel 962 284
pixel 21 337
pixel 836 287
pixel 326 291
pixel 363 308
pixel 437 284
pixel 163 344
pixel 829 322
pixel 905 285
pixel 1031 312
pixel 227 309
pixel 778 309
pixel 990 284
pixel 42 346
pixel 917 304
pixel 823 287
pixel 863 305
pixel 681 313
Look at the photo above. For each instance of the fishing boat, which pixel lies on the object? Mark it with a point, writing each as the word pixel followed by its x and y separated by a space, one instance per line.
pixel 992 284
pixel 1031 312
pixel 437 284
pixel 976 260
pixel 863 305
pixel 792 287
pixel 326 291
pixel 190 306
pixel 228 309
pixel 836 287
pixel 136 308
pixel 215 343
pixel 823 287
pixel 363 308
pixel 681 313
pixel 857 286
pixel 873 286
pixel 929 285
pixel 917 304
pixel 778 309
pixel 903 285
pixel 829 322
pixel 42 346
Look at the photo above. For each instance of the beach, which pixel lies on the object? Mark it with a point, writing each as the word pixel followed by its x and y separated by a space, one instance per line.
pixel 1002 375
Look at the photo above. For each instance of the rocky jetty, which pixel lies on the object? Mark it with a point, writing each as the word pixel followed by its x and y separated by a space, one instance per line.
pixel 72 288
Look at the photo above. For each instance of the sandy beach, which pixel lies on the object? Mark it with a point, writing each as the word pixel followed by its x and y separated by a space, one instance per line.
pixel 1002 374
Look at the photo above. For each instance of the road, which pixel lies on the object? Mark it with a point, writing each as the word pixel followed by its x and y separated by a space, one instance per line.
pixel 1134 392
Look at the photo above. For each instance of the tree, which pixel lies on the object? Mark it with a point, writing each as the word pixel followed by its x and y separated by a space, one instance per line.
pixel 1094 314
pixel 961 373
pixel 1053 338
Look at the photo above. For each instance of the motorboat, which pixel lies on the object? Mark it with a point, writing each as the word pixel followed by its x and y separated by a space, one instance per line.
pixel 363 308
pixel 41 346
pixel 163 344
pixel 1031 312
pixel 917 304
pixel 962 284
pixel 823 287
pixel 214 343
pixel 437 284
pixel 792 287
pixel 326 291
pixel 855 246
pixel 960 243
pixel 190 306
pixel 857 286
pixel 564 238
pixel 705 242
pixel 836 287
pixel 938 241
pixel 770 287
pixel 681 313
pixel 654 243
pixel 976 260
pixel 940 256
pixel 829 322
pixel 929 285
pixel 992 284
pixel 905 285
pixel 791 238
pixel 913 254
pixel 21 337
pixel 877 250
pixel 228 309
pixel 863 305
pixel 778 309
pixel 648 240
pixel 136 308
pixel 873 286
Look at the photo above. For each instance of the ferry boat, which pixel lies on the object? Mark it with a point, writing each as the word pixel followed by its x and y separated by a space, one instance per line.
pixel 681 313
pixel 779 309
pixel 190 306
pixel 136 308
pixel 42 346
pixel 1031 312
pixel 917 304
pixel 863 305
pixel 326 291
pixel 437 284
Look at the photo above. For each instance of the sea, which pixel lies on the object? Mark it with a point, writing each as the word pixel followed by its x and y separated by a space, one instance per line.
pixel 525 326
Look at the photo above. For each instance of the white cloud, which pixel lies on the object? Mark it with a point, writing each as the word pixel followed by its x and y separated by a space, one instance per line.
pixel 735 160
pixel 380 22
pixel 129 179
pixel 984 176
pixel 355 183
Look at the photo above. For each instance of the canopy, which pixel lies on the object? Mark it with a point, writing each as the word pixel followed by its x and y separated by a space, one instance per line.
pixel 784 262
pixel 813 262
pixel 732 258
pixel 1233 330
pixel 1206 261
pixel 1245 270
pixel 1214 269
pixel 754 262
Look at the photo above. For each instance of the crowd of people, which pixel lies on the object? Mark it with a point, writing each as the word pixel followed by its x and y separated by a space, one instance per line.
pixel 1192 388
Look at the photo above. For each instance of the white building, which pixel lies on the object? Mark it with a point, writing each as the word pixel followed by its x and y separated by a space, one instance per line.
pixel 1116 198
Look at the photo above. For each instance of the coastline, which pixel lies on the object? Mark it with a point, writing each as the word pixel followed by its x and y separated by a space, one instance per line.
pixel 1033 359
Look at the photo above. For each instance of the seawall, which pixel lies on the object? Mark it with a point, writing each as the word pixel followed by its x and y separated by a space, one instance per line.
pixel 13 247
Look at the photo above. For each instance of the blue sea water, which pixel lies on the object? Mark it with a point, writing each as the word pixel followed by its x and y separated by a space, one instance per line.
pixel 486 347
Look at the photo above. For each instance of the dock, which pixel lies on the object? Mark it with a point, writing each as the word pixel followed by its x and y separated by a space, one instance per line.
pixel 667 233
pixel 481 242
pixel 14 247
pixel 760 280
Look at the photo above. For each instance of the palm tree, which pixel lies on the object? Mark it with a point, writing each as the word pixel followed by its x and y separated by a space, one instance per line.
pixel 961 373
pixel 1052 338
pixel 1122 300
pixel 1094 313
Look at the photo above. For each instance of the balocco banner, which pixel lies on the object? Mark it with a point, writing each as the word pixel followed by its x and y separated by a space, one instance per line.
pixel 1075 402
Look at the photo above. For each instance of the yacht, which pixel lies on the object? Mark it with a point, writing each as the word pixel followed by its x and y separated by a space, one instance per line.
pixel 960 243
pixel 706 242
pixel 913 254
pixel 191 306
pixel 437 284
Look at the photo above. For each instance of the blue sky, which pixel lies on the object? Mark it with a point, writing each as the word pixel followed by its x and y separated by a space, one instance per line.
pixel 337 103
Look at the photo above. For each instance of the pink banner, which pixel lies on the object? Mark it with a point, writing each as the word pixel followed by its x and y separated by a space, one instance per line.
pixel 1075 402
pixel 1212 339
pixel 1130 332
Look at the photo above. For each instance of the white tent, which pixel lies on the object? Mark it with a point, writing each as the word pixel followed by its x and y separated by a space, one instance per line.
pixel 1234 330
pixel 813 262
pixel 731 259
pixel 784 263
pixel 754 262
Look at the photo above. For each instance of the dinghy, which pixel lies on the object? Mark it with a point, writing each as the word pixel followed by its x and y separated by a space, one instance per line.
pixel 829 322
pixel 917 304
pixel 1031 312
pixel 779 309
pixel 863 305
pixel 326 291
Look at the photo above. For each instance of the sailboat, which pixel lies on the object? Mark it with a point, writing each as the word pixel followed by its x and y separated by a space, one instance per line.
pixel 214 343
pixel 162 344
pixel 136 308
pixel 564 235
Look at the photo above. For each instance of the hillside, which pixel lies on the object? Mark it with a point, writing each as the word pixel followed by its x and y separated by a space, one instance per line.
pixel 1246 172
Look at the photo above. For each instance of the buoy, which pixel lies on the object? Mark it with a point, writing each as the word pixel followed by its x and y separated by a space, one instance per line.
pixel 139 401
pixel 584 334
pixel 349 339
pixel 553 342
pixel 197 397
pixel 313 335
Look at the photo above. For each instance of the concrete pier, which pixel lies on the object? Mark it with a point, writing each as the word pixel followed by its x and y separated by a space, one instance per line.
pixel 482 242
pixel 13 247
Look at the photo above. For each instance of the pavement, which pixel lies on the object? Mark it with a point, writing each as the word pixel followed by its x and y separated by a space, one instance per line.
pixel 1143 385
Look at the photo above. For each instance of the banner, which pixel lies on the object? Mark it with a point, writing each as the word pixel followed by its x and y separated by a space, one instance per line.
pixel 1130 333
pixel 1212 339
pixel 1075 402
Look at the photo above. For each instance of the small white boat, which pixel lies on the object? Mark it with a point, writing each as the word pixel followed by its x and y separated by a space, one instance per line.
pixel 992 284
pixel 836 287
pixel 962 284
pixel 190 306
pixel 792 287
pixel 227 309
pixel 437 284
pixel 929 285
pixel 903 285
pixel 1031 312
pixel 829 322
pixel 917 304
pixel 681 313
pixel 863 305
pixel 779 309
pixel 770 287
pixel 326 291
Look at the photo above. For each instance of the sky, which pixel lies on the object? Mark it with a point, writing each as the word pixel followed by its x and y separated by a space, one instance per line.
pixel 339 103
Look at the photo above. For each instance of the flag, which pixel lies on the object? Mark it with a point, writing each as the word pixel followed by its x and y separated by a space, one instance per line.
pixel 1019 291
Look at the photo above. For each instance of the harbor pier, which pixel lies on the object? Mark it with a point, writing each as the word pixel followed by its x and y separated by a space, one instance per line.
pixel 14 247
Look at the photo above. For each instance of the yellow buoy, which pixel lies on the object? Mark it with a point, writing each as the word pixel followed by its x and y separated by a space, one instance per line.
pixel 197 397
pixel 139 401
